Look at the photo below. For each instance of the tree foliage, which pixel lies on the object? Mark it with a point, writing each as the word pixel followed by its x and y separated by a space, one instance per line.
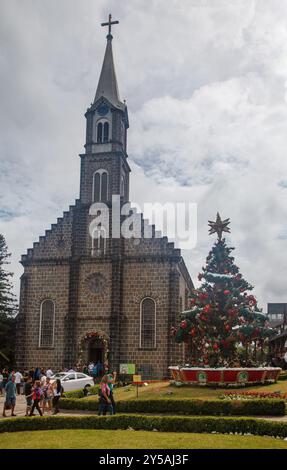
pixel 223 314
pixel 8 307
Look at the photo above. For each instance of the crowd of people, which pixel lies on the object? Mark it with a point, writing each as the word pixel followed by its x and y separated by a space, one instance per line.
pixel 42 393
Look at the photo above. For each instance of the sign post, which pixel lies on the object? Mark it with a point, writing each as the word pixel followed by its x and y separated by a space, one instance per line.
pixel 127 369
pixel 137 379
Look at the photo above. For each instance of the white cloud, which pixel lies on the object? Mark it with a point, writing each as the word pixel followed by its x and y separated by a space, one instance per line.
pixel 205 82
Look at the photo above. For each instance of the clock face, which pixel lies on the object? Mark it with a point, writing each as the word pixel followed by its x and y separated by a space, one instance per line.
pixel 103 110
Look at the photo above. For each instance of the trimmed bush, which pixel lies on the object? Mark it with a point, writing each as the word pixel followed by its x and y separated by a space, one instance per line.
pixel 80 393
pixel 197 424
pixel 262 407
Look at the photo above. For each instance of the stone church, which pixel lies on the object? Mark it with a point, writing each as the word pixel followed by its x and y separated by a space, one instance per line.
pixel 86 297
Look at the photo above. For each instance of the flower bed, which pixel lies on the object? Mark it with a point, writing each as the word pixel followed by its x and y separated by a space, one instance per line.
pixel 253 394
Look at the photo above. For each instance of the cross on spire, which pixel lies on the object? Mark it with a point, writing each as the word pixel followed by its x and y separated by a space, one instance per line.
pixel 109 24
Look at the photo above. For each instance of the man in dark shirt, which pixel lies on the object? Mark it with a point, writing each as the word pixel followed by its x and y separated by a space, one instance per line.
pixel 28 394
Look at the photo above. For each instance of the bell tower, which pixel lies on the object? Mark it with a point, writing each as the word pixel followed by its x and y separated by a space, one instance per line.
pixel 104 167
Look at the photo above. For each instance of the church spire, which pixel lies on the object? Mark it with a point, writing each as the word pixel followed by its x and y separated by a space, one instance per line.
pixel 108 86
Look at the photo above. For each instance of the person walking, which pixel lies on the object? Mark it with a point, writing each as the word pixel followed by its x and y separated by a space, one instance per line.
pixel 49 372
pixel 90 367
pixel 1 383
pixel 37 374
pixel 95 373
pixel 10 399
pixel 27 390
pixel 111 382
pixel 37 396
pixel 18 381
pixel 57 392
pixel 85 370
pixel 105 403
pixel 5 378
pixel 47 396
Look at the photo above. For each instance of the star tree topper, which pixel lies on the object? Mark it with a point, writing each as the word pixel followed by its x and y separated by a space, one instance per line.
pixel 219 226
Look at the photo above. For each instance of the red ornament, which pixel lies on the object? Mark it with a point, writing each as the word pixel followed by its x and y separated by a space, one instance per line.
pixel 207 308
pixel 226 292
pixel 192 301
pixel 202 296
pixel 215 346
pixel 192 331
pixel 227 327
pixel 183 324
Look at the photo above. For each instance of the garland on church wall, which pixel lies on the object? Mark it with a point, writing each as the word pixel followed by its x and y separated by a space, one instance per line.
pixel 94 335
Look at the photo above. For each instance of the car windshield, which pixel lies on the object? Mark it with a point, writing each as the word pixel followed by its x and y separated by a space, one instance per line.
pixel 59 375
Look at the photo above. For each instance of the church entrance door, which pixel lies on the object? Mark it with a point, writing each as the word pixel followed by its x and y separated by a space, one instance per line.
pixel 96 351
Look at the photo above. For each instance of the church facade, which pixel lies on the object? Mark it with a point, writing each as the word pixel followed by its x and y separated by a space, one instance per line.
pixel 87 294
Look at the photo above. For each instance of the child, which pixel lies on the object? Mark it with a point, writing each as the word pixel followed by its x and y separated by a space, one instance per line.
pixel 47 395
pixel 36 395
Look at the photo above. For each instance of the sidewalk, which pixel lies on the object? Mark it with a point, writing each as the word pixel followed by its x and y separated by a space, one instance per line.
pixel 20 410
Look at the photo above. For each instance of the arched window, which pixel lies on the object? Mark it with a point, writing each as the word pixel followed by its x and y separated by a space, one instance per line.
pixel 147 323
pixel 122 188
pixel 100 186
pixel 104 187
pixel 103 131
pixel 106 132
pixel 99 242
pixel 47 324
pixel 99 133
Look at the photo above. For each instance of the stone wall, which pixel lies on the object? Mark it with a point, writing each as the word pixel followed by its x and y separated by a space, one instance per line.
pixel 44 282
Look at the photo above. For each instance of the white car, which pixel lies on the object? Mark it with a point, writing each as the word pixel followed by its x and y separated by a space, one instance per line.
pixel 73 380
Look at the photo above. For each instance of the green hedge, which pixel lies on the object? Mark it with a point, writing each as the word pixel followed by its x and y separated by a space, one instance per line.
pixel 93 390
pixel 260 407
pixel 197 424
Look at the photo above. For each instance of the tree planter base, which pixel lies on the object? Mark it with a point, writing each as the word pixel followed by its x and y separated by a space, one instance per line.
pixel 225 376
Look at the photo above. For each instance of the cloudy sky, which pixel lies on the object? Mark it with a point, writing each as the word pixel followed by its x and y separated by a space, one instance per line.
pixel 206 87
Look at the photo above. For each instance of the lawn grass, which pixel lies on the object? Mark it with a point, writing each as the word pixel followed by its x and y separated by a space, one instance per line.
pixel 117 439
pixel 165 390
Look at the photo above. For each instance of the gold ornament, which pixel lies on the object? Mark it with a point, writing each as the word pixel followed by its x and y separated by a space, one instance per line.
pixel 219 226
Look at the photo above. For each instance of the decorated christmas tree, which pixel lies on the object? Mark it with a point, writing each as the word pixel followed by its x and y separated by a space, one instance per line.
pixel 223 317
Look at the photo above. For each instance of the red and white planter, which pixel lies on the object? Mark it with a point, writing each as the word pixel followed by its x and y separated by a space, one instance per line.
pixel 225 376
